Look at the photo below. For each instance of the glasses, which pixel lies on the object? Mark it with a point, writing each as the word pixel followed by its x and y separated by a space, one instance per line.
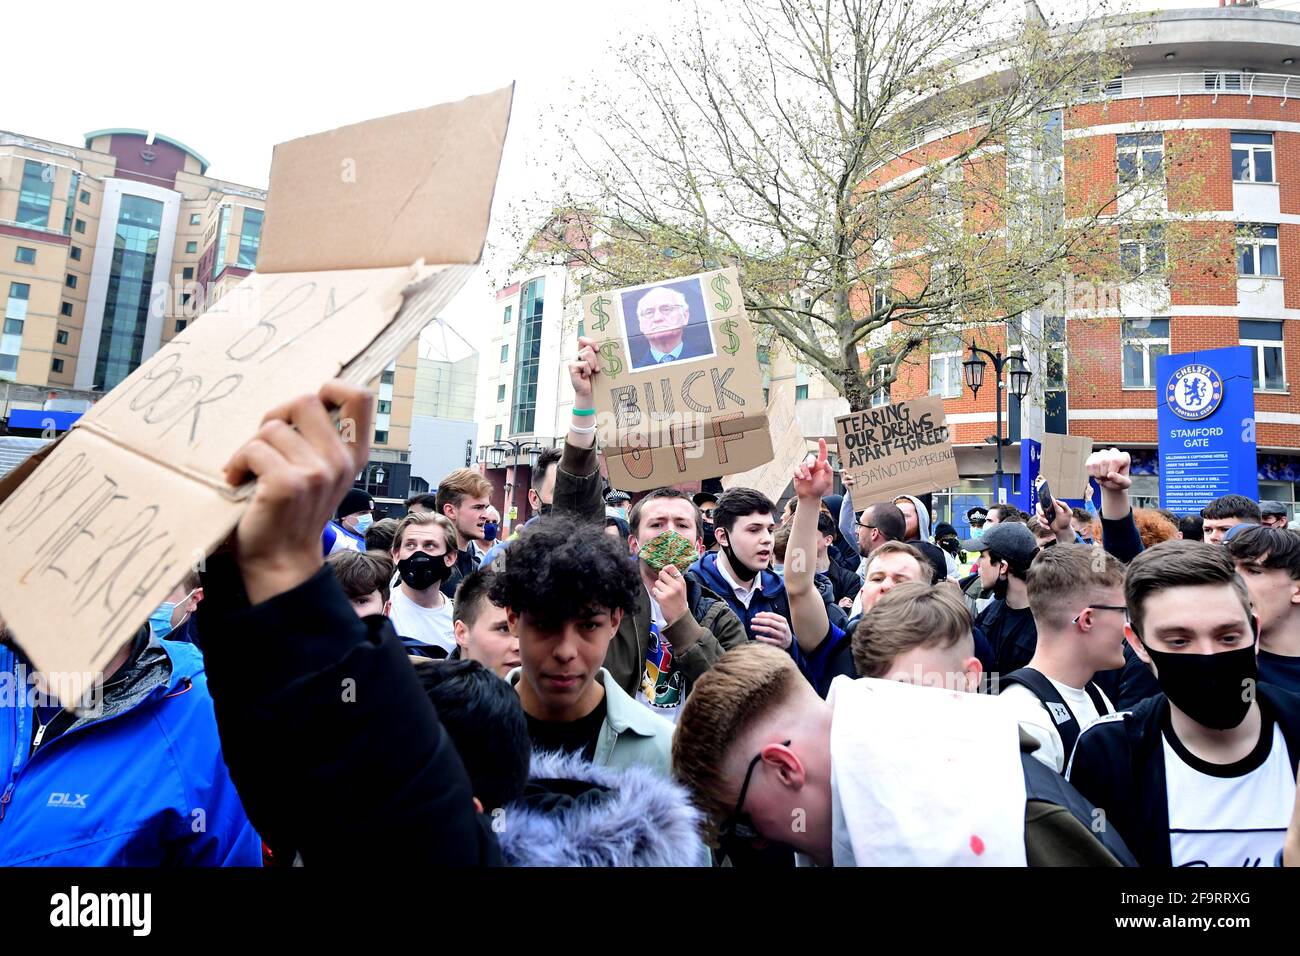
pixel 870 527
pixel 1102 607
pixel 738 824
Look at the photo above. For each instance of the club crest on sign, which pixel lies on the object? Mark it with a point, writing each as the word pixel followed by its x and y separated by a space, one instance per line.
pixel 1194 392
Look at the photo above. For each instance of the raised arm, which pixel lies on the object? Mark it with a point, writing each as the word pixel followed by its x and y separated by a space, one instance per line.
pixel 577 475
pixel 1119 533
pixel 811 482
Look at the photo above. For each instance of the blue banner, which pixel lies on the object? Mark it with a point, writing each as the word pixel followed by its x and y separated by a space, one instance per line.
pixel 1031 456
pixel 1206 424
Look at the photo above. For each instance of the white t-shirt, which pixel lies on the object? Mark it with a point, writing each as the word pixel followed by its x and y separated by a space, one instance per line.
pixel 428 625
pixel 1220 820
pixel 1038 722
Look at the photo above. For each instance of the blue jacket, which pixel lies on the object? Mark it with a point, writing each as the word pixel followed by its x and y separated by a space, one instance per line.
pixel 142 785
pixel 768 596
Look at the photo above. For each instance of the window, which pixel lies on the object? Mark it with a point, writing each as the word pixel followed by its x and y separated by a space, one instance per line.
pixel 11 334
pixel 385 408
pixel 191 248
pixel 20 290
pixel 501 393
pixel 387 377
pixel 185 298
pixel 880 394
pixel 1267 365
pixel 25 255
pixel 75 253
pixel 945 366
pixel 121 341
pixel 195 218
pixel 187 272
pixel 1054 344
pixel 85 197
pixel 250 238
pixel 80 226
pixel 381 438
pixel 800 392
pixel 34 194
pixel 1144 340
pixel 1252 157
pixel 764 355
pixel 1140 157
pixel 70 281
pixel 1142 251
pixel 180 324
pixel 223 241
pixel 56 365
pixel 1256 250
pixel 496 433
pixel 65 308
pixel 879 300
pixel 61 337
pixel 1215 80
pixel 509 314
pixel 505 353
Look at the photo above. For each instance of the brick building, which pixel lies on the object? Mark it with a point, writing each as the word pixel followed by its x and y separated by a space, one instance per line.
pixel 1224 84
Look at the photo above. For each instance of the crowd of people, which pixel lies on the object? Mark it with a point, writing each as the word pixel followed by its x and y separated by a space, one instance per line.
pixel 680 679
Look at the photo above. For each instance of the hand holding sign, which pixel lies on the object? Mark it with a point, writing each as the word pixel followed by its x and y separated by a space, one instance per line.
pixel 303 469
pixel 814 479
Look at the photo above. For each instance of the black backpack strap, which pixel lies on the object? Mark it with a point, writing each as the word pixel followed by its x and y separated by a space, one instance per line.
pixel 1067 725
pixel 1098 699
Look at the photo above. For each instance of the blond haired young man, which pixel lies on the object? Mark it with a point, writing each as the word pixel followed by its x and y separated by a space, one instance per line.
pixel 424 550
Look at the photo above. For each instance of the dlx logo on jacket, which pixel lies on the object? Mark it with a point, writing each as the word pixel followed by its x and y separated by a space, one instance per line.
pixel 75 801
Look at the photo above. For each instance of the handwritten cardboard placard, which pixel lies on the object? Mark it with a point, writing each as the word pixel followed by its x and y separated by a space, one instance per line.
pixel 788 444
pixel 1062 464
pixel 678 394
pixel 97 528
pixel 897 449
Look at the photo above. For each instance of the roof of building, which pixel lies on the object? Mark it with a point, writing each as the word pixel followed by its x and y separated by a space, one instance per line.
pixel 115 130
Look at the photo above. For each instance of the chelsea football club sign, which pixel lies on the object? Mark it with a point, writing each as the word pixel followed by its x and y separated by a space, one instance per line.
pixel 1194 392
pixel 1206 424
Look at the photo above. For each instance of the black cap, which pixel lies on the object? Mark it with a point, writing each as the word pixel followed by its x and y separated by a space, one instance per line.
pixel 354 502
pixel 614 495
pixel 702 496
pixel 1011 539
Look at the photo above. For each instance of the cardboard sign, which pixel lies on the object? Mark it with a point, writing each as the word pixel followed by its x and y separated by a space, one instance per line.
pixel 897 449
pixel 1063 464
pixel 788 443
pixel 678 394
pixel 99 527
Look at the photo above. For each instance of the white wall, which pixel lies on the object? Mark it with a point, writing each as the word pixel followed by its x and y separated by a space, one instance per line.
pixel 438 446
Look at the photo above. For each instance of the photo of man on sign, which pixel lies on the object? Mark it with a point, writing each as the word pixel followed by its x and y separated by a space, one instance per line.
pixel 666 323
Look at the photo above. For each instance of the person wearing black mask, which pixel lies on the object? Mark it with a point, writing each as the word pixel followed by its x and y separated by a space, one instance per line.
pixel 424 550
pixel 706 501
pixel 1204 773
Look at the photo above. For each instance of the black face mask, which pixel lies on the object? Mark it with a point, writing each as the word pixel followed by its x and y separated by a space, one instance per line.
pixel 1215 690
pixel 421 571
pixel 744 574
pixel 710 539
pixel 544 510
pixel 1000 587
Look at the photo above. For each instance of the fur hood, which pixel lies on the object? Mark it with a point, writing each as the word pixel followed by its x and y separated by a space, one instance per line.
pixel 574 813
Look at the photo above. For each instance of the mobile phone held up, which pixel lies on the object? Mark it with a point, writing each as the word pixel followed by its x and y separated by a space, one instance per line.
pixel 1046 500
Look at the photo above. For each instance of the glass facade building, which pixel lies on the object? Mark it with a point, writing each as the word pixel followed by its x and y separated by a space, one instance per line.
pixel 527 353
pixel 126 309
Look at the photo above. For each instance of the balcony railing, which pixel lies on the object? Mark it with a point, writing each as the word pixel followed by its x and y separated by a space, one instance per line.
pixel 1214 83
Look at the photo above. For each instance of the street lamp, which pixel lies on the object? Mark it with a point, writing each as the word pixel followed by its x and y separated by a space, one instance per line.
pixel 496 458
pixel 1017 381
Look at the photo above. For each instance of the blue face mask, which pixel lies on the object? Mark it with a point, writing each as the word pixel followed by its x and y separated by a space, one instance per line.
pixel 364 523
pixel 160 621
pixel 490 531
pixel 977 533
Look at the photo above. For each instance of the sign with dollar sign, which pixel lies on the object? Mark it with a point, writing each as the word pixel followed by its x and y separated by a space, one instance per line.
pixel 598 310
pixel 610 362
pixel 728 328
pixel 719 286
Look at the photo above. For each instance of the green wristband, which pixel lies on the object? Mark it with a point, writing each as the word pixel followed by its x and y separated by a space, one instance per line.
pixel 584 411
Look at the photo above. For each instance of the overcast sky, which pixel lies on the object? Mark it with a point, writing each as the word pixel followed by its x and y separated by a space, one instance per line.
pixel 232 79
